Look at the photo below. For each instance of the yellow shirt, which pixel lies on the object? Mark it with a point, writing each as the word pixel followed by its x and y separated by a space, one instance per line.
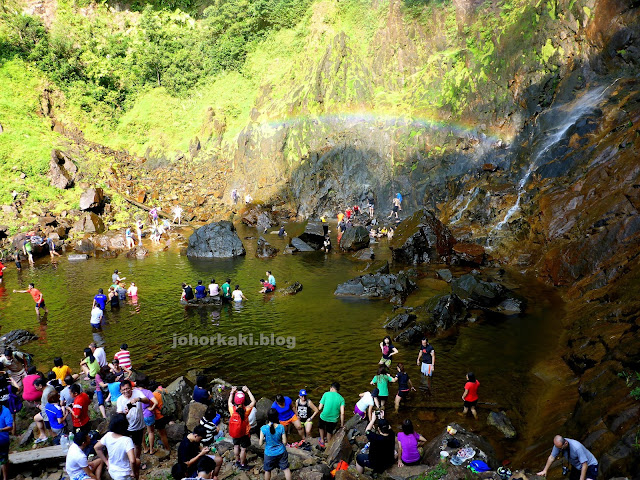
pixel 62 372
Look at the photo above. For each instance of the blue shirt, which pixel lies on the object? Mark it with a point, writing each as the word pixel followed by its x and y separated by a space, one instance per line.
pixel 114 390
pixel 101 300
pixel 54 413
pixel 274 445
pixel 201 291
pixel 285 412
pixel 201 395
pixel 272 280
pixel 6 420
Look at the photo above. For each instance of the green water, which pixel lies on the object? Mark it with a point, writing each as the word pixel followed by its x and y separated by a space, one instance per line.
pixel 335 338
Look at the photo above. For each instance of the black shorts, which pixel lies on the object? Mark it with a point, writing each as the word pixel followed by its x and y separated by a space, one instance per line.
pixel 40 305
pixel 279 461
pixel 18 265
pixel 328 427
pixel 362 459
pixel 136 436
pixel 403 394
pixel 242 442
pixel 395 208
pixel 592 473
pixel 161 423
pixel 86 428
pixel 4 453
pixel 470 404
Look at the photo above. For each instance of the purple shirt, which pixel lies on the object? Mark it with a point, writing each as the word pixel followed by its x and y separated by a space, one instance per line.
pixel 145 411
pixel 409 443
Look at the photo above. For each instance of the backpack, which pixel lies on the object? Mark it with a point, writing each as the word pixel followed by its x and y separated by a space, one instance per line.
pixel 342 465
pixel 237 426
pixel 479 466
pixel 168 404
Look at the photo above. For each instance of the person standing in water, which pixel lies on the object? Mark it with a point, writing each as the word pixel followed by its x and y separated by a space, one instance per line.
pixel 237 294
pixel 388 350
pixel 27 248
pixel 427 361
pixel 37 297
pixel 2 269
pixel 226 289
pixel 470 396
pixel 139 226
pixel 404 385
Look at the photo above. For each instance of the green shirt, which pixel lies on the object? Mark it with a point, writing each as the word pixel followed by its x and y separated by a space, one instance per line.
pixel 94 367
pixel 382 382
pixel 27 247
pixel 332 402
pixel 225 289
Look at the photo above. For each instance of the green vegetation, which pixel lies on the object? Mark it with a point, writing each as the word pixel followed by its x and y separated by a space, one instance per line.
pixel 632 380
pixel 437 473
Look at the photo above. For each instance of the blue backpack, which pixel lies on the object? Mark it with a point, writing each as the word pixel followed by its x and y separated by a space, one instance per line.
pixel 479 466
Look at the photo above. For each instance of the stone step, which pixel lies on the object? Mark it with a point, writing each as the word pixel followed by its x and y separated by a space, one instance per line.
pixel 37 455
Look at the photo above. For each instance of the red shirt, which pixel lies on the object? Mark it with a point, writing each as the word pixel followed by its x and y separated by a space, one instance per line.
pixel 124 358
pixel 472 388
pixel 81 410
pixel 35 293
pixel 348 212
pixel 1 267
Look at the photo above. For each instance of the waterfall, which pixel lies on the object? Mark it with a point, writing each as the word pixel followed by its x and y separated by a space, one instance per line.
pixel 473 193
pixel 573 110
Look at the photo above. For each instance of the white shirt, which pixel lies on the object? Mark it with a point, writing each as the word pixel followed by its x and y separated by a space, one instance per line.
pixel 214 289
pixel 76 461
pixel 96 317
pixel 100 356
pixel 237 295
pixel 119 465
pixel 365 402
pixel 135 417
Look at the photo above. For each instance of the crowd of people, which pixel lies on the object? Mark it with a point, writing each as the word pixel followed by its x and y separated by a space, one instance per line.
pixel 224 292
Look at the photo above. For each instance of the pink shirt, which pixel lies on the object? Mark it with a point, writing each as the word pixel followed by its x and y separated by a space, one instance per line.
pixel 30 393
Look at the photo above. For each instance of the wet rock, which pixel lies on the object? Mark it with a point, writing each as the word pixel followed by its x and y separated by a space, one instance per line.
pixel 137 252
pixel 62 170
pixel 407 471
pixel 301 246
pixel 84 246
pixel 89 223
pixel 195 413
pixel 449 311
pixel 476 292
pixel 347 475
pixel 309 473
pixel 364 255
pixel 411 335
pixel 445 274
pixel 27 436
pixel 262 408
pixel 265 249
pixel 110 241
pixel 400 321
pixel 292 289
pixel 500 421
pixel 215 240
pixel 484 450
pixel 17 337
pixel 422 238
pixel 468 254
pixel 260 216
pixel 339 448
pixel 354 239
pixel 92 199
pixel 313 235
pixel 511 305
pixel 378 285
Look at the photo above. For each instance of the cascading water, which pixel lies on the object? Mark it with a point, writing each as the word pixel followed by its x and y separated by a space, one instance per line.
pixel 574 110
pixel 472 194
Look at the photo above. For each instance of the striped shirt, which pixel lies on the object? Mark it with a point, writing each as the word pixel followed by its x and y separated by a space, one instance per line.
pixel 124 359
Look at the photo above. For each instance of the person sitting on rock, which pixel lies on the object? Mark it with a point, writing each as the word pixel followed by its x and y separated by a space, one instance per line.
pixel 266 287
pixel 381 449
pixel 409 443
pixel 187 293
pixel 201 290
pixel 201 393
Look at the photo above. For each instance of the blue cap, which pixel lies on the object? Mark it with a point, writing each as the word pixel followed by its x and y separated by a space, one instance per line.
pixel 303 393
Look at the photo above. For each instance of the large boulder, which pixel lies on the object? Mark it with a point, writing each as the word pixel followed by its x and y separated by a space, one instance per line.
pixel 292 289
pixel 182 393
pixel 89 223
pixel 422 238
pixel 262 408
pixel 265 249
pixel 354 239
pixel 17 337
pixel 62 170
pixel 339 448
pixel 484 450
pixel 176 432
pixel 468 254
pixel 92 199
pixel 475 292
pixel 313 235
pixel 260 216
pixel 215 240
pixel 400 321
pixel 83 246
pixel 194 413
pixel 449 311
pixel 137 252
pixel 110 241
pixel 301 246
pixel 377 285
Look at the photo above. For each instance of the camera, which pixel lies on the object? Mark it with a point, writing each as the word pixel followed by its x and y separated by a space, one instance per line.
pixel 565 470
pixel 130 406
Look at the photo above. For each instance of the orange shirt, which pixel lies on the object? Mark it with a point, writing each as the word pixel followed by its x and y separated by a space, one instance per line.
pixel 35 293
